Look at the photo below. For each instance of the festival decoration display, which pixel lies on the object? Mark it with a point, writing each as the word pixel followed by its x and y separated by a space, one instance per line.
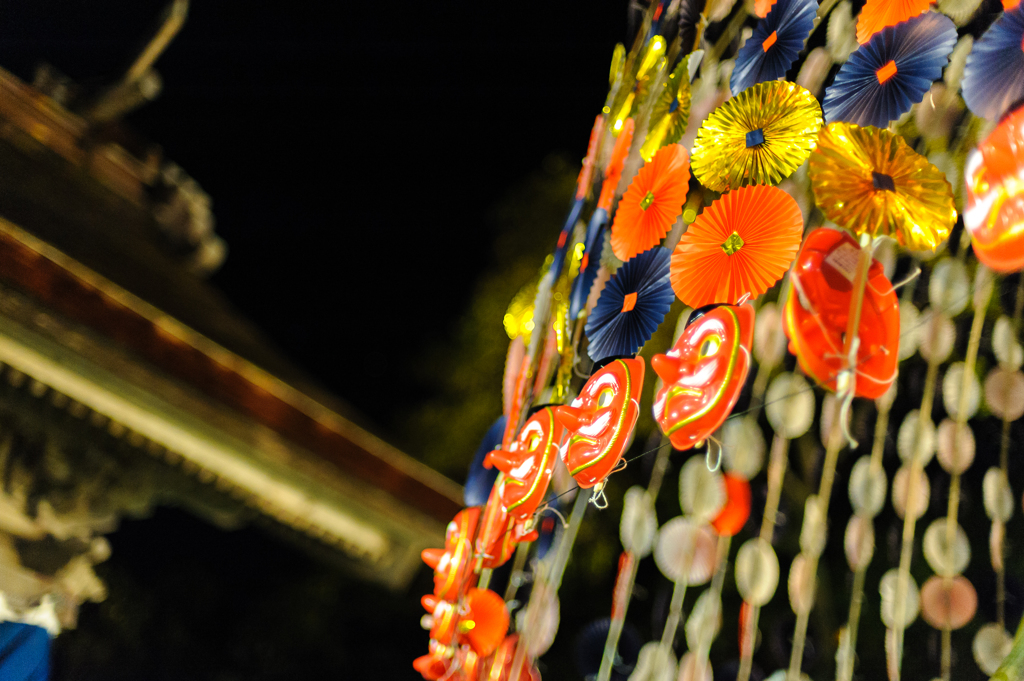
pixel 739 246
pixel 591 260
pixel 528 464
pixel 995 196
pixel 872 307
pixel 691 24
pixel 703 373
pixel 883 78
pixel 631 307
pixel 872 182
pixel 670 114
pixel 879 14
pixel 760 136
pixel 452 569
pixel 817 315
pixel 653 202
pixel 775 43
pixel 600 421
pixel 994 76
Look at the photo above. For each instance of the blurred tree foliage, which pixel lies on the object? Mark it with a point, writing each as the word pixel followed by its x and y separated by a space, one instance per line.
pixel 466 370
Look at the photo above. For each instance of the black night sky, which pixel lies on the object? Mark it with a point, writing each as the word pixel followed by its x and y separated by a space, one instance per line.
pixel 351 150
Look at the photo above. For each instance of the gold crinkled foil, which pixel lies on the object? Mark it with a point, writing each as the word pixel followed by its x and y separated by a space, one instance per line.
pixel 918 212
pixel 787 115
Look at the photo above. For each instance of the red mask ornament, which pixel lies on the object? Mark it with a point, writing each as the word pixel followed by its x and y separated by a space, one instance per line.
pixel 480 621
pixel 456 634
pixel 498 535
pixel 498 667
pixel 529 464
pixel 601 421
pixel 434 665
pixel 453 564
pixel 818 307
pixel 703 374
pixel 994 177
pixel 733 516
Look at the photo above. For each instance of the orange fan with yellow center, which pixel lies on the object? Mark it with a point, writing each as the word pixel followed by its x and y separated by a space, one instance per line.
pixel 741 244
pixel 653 202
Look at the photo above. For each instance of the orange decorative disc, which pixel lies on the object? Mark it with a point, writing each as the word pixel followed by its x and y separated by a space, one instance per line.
pixel 877 14
pixel 741 244
pixel 734 514
pixel 653 202
pixel 956 607
pixel 485 621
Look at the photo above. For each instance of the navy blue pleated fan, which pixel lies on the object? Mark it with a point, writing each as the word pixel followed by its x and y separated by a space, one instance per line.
pixel 689 25
pixel 890 73
pixel 774 45
pixel 632 305
pixel 479 480
pixel 590 264
pixel 994 76
pixel 24 652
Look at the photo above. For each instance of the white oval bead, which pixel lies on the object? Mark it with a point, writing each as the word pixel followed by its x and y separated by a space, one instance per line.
pixel 937 552
pixel 639 524
pixel 757 571
pixel 867 489
pixel 789 405
pixel 997 495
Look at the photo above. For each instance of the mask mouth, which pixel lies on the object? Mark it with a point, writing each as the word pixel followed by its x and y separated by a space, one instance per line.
pixel 683 391
pixel 701 311
pixel 602 363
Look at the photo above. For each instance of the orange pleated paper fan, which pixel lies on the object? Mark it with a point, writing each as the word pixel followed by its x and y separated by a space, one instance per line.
pixel 762 7
pixel 877 14
pixel 653 202
pixel 742 243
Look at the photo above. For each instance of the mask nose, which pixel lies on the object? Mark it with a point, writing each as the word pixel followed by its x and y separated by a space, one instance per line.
pixel 432 557
pixel 666 367
pixel 499 458
pixel 570 417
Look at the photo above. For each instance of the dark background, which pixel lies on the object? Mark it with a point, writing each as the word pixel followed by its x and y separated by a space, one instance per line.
pixel 352 150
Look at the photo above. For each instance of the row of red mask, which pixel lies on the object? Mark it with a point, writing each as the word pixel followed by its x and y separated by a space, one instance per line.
pixel 702 374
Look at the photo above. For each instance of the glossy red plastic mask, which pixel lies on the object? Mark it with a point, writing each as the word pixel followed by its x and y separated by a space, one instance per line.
pixel 703 374
pixel 818 307
pixel 994 179
pixel 601 420
pixel 453 564
pixel 497 537
pixel 529 464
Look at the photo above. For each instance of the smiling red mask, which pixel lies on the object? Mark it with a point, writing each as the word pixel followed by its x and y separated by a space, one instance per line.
pixel 601 421
pixel 528 466
pixel 452 564
pixel 703 374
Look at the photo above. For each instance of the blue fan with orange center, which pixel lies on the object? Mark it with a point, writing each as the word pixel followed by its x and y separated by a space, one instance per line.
pixel 774 45
pixel 994 76
pixel 890 73
pixel 632 305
